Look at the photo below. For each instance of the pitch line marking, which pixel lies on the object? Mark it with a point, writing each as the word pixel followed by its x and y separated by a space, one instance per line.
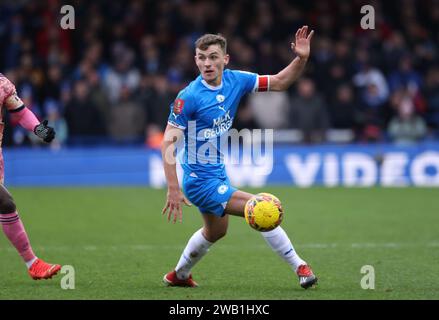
pixel 147 247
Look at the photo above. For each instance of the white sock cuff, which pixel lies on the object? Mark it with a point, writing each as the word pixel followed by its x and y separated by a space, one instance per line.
pixel 30 262
pixel 273 233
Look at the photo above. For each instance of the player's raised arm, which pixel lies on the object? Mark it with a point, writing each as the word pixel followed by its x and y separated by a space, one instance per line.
pixel 21 114
pixel 301 47
pixel 175 197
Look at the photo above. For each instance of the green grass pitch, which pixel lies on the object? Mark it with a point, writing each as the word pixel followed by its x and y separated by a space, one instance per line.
pixel 120 245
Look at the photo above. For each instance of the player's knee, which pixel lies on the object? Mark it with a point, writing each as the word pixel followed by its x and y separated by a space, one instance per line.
pixel 7 204
pixel 220 234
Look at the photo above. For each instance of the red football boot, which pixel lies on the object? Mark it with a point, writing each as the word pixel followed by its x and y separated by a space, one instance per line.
pixel 42 270
pixel 306 276
pixel 171 280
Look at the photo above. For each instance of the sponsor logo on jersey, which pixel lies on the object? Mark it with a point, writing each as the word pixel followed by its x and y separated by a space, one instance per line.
pixel 220 125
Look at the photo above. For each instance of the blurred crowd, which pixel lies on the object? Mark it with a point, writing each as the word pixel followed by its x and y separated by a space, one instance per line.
pixel 112 78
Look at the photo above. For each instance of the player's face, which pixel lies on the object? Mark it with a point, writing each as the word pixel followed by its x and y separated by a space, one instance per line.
pixel 211 63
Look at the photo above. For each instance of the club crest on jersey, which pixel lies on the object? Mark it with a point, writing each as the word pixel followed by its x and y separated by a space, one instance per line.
pixel 223 189
pixel 220 98
pixel 178 106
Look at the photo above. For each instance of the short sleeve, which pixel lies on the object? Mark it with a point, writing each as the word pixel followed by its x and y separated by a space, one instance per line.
pixel 7 89
pixel 253 82
pixel 181 110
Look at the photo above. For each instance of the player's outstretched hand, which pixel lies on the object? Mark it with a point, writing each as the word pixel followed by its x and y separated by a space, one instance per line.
pixel 303 41
pixel 174 203
pixel 45 132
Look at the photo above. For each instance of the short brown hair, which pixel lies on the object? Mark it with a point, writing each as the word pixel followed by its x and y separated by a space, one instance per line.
pixel 209 39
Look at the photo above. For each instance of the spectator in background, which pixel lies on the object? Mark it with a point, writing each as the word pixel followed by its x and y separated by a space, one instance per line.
pixel 157 105
pixel 393 50
pixel 343 108
pixel 245 116
pixel 121 74
pixel 407 127
pixel 53 114
pixel 92 60
pixel 150 55
pixel 372 84
pixel 54 82
pixel 373 93
pixel 405 76
pixel 336 77
pixel 245 56
pixel 270 109
pixel 308 112
pixel 343 57
pixel 82 115
pixel 265 63
pixel 335 71
pixel 127 119
pixel 431 92
pixel 97 94
pixel 13 50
